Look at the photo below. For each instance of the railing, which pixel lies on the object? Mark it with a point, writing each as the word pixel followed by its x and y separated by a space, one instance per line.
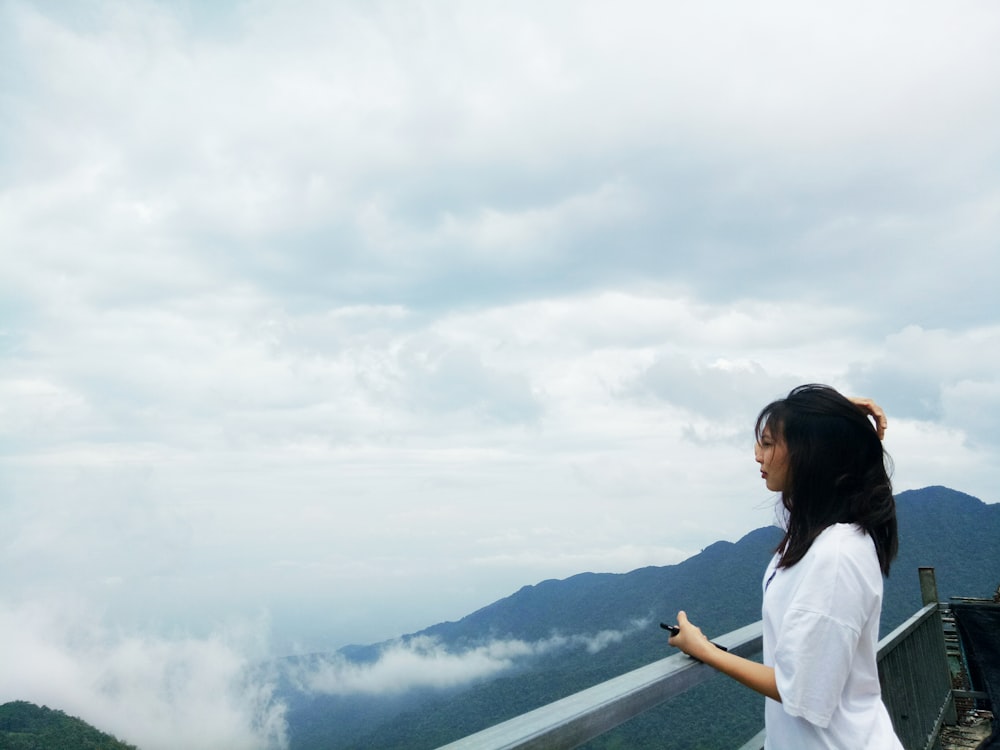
pixel 570 722
pixel 913 671
pixel 916 682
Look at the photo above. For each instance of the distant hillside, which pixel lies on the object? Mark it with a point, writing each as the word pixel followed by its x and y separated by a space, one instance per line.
pixel 957 534
pixel 25 726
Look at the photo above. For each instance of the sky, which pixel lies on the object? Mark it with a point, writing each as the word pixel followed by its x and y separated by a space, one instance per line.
pixel 324 322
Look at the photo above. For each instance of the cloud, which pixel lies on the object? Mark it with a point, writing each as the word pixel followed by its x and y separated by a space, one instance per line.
pixel 939 375
pixel 447 154
pixel 444 377
pixel 974 407
pixel 424 662
pixel 720 389
pixel 155 692
pixel 301 297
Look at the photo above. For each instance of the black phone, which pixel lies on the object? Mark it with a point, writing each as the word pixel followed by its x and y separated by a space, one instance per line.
pixel 674 630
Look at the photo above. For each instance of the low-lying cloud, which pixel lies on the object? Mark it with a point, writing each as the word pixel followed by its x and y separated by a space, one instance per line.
pixel 205 692
pixel 426 662
pixel 156 692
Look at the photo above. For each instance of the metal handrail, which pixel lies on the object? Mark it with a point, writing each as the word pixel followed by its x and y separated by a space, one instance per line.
pixel 570 722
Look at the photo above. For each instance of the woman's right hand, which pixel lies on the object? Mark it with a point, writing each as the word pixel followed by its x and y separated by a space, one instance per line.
pixel 690 639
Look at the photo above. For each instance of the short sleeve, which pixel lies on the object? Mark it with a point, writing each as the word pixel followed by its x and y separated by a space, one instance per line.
pixel 812 663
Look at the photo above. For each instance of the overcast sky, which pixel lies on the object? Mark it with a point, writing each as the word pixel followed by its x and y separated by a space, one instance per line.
pixel 323 322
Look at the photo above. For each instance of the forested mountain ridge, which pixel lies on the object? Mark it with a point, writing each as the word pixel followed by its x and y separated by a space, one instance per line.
pixel 25 726
pixel 955 533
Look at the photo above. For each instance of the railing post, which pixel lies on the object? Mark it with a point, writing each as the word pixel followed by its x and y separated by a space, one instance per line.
pixel 928 586
pixel 929 593
pixel 927 579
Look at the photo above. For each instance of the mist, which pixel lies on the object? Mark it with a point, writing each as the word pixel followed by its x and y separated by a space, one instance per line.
pixel 156 692
pixel 425 662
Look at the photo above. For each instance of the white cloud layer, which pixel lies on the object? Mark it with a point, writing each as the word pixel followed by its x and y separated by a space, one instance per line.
pixel 423 662
pixel 157 693
pixel 360 316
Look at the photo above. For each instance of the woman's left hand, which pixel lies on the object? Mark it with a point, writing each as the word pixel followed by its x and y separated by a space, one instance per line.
pixel 876 412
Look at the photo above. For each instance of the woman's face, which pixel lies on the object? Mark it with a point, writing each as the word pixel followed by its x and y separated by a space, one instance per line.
pixel 771 453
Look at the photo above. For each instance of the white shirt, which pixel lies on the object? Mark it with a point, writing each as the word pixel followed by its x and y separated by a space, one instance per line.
pixel 821 621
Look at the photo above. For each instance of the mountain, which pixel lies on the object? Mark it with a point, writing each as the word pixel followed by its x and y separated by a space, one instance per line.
pixel 955 533
pixel 25 726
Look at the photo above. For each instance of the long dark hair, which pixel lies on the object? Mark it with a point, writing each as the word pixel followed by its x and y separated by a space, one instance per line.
pixel 836 471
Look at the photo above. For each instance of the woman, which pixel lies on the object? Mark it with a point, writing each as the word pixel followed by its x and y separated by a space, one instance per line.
pixel 823 587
